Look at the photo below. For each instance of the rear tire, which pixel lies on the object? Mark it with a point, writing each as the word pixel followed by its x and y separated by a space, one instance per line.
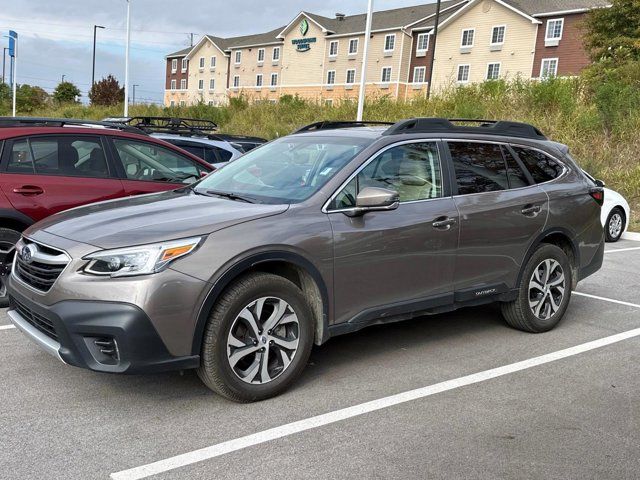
pixel 614 228
pixel 543 293
pixel 257 340
pixel 8 240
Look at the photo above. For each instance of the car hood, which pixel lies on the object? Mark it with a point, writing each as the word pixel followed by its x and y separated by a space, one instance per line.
pixel 151 218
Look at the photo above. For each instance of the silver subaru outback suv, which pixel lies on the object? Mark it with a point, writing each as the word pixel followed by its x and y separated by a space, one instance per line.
pixel 324 232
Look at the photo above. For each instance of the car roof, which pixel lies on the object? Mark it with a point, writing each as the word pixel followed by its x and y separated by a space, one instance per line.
pixel 204 140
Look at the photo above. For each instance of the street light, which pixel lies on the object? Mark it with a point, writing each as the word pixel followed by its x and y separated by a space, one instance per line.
pixel 433 46
pixel 93 71
pixel 365 54
pixel 134 93
pixel 126 61
pixel 4 62
pixel 63 78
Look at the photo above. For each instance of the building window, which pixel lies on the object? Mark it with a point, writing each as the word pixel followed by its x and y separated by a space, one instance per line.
pixel 201 63
pixel 463 73
pixel 353 46
pixel 549 68
pixel 201 84
pixel 390 42
pixel 422 42
pixel 419 74
pixel 467 37
pixel 212 84
pixel 213 62
pixel 386 75
pixel 211 103
pixel 497 35
pixel 554 29
pixel 351 76
pixel 260 55
pixel 236 81
pixel 173 84
pixel 331 77
pixel 183 103
pixel 329 102
pixel 172 103
pixel 259 80
pixel 276 54
pixel 333 48
pixel 185 63
pixel 238 57
pixel 493 71
pixel 274 79
pixel 174 65
pixel 183 84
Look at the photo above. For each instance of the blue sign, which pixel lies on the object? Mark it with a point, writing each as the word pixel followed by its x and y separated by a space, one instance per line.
pixel 13 37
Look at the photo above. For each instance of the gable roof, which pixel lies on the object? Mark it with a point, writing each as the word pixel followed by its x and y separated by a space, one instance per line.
pixel 257 39
pixel 179 53
pixel 540 8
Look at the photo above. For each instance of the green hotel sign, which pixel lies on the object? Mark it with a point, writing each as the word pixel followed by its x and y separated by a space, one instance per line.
pixel 303 44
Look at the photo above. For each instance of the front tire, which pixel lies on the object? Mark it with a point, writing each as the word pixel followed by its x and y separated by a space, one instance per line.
pixel 614 227
pixel 8 240
pixel 543 293
pixel 257 340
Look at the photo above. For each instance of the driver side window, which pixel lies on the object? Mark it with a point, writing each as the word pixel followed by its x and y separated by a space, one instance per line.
pixel 151 162
pixel 412 170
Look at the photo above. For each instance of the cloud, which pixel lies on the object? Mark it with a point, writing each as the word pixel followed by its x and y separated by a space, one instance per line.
pixel 56 38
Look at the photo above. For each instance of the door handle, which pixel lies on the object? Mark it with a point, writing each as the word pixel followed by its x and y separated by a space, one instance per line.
pixel 531 210
pixel 444 223
pixel 28 190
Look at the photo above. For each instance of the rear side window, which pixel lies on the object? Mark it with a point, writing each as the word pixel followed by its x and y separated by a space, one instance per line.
pixel 479 167
pixel 541 167
pixel 517 178
pixel 67 156
pixel 225 155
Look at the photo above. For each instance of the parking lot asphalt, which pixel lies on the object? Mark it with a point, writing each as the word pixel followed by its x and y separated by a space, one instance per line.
pixel 573 417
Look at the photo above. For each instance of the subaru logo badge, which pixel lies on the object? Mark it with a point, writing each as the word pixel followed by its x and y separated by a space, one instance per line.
pixel 28 252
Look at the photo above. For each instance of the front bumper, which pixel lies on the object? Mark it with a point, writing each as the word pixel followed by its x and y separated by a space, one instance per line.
pixel 78 332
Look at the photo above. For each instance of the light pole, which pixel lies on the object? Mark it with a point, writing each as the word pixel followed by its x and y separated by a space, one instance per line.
pixel 4 62
pixel 126 61
pixel 93 71
pixel 133 102
pixel 433 51
pixel 365 54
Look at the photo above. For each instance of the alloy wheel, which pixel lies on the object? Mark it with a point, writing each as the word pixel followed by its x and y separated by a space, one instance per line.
pixel 546 289
pixel 615 225
pixel 263 340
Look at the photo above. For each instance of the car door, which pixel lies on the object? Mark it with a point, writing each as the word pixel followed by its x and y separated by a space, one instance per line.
pixel 45 174
pixel 148 167
pixel 392 262
pixel 501 213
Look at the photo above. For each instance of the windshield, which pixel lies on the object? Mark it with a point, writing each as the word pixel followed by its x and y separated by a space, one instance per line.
pixel 288 170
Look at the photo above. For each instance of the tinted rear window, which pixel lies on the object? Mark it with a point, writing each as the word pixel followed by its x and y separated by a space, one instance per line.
pixel 540 165
pixel 479 167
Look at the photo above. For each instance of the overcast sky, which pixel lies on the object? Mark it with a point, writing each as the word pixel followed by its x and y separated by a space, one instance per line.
pixel 56 35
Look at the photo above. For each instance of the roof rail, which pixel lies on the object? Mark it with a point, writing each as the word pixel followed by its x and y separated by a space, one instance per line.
pixel 175 125
pixel 336 124
pixel 7 122
pixel 486 127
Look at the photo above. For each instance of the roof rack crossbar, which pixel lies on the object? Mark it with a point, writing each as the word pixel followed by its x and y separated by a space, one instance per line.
pixel 7 122
pixel 491 127
pixel 176 125
pixel 337 124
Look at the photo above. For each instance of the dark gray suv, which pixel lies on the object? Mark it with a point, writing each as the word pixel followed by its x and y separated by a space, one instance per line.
pixel 323 232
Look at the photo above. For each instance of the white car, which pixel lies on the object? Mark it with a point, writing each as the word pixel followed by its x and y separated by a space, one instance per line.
pixel 615 213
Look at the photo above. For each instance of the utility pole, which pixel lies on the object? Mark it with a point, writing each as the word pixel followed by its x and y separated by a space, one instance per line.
pixel 93 71
pixel 126 61
pixel 191 35
pixel 133 102
pixel 365 54
pixel 433 46
pixel 4 62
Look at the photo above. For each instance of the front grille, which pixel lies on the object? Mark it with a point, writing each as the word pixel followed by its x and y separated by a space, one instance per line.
pixel 35 319
pixel 42 267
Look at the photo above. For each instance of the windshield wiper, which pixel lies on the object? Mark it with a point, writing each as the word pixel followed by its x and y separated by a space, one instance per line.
pixel 231 196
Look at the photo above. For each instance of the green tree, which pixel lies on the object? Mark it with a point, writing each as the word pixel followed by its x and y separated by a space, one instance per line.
pixel 30 98
pixel 66 92
pixel 107 92
pixel 613 34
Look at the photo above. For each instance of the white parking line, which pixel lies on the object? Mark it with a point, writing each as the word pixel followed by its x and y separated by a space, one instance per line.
pixel 6 327
pixel 619 302
pixel 357 410
pixel 616 250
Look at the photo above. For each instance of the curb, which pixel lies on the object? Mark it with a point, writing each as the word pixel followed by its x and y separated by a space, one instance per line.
pixel 631 236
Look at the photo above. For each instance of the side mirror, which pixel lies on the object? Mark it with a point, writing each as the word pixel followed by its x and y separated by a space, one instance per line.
pixel 600 183
pixel 373 199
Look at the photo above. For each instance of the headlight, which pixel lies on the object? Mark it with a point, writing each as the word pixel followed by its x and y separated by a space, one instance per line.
pixel 141 260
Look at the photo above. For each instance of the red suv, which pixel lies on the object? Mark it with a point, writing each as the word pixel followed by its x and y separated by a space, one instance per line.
pixel 49 165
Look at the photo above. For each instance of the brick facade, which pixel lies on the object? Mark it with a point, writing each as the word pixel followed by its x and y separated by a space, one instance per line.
pixel 571 55
pixel 178 75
